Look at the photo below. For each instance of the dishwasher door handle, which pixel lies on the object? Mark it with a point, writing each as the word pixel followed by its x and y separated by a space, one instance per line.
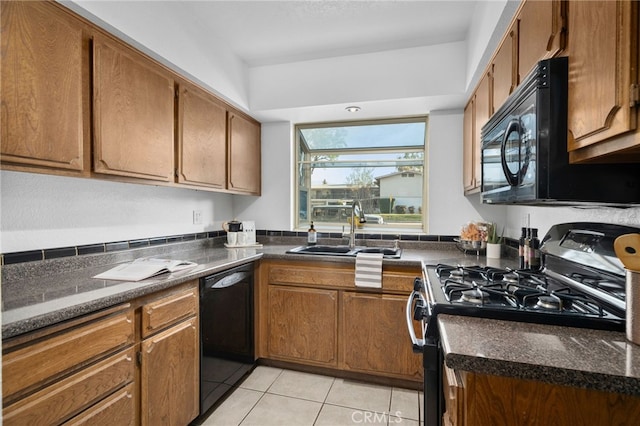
pixel 227 280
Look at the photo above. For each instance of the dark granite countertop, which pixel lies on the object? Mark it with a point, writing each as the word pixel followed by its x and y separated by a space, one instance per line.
pixel 38 294
pixel 592 359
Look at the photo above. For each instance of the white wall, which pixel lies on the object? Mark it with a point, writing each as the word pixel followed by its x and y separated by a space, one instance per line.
pixel 404 73
pixel 449 209
pixel 491 19
pixel 153 29
pixel 543 217
pixel 40 211
pixel 273 209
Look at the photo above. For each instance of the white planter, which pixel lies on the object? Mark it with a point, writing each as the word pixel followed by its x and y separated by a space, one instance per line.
pixel 493 250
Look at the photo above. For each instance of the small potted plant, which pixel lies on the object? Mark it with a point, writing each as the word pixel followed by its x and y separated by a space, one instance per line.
pixel 494 241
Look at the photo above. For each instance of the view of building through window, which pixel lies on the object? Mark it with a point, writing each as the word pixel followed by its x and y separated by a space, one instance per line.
pixel 379 163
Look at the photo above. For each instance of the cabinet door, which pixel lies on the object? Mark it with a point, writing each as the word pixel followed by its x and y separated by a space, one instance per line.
pixel 133 114
pixel 504 70
pixel 468 151
pixel 454 404
pixel 474 119
pixel 303 325
pixel 540 32
pixel 44 65
pixel 499 400
pixel 202 139
pixel 169 375
pixel 601 35
pixel 244 154
pixel 374 336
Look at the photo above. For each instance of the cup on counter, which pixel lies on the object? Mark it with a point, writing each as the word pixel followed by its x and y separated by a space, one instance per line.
pixel 232 238
pixel 242 238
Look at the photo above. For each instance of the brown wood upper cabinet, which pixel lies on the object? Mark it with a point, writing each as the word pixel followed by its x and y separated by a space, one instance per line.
pixel 476 115
pixel 541 33
pixel 45 90
pixel 133 113
pixel 537 32
pixel 202 139
pixel 504 69
pixel 244 154
pixel 140 131
pixel 603 81
pixel 468 157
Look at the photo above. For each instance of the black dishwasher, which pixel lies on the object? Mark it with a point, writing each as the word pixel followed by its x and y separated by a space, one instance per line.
pixel 226 330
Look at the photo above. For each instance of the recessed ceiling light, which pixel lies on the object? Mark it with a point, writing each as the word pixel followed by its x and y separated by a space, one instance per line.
pixel 353 108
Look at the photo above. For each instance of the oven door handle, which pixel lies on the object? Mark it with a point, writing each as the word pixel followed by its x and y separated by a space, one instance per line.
pixel 417 343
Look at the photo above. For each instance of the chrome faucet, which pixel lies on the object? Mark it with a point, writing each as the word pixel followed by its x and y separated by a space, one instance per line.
pixel 356 209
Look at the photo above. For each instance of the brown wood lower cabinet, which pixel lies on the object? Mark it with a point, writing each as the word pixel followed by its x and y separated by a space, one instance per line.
pixel 311 314
pixel 136 363
pixel 63 399
pixel 374 336
pixel 169 375
pixel 117 409
pixel 303 325
pixel 169 358
pixel 492 400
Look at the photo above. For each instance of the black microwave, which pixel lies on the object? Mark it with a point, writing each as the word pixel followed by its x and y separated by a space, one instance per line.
pixel 524 150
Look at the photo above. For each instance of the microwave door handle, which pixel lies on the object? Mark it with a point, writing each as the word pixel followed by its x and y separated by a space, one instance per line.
pixel 513 126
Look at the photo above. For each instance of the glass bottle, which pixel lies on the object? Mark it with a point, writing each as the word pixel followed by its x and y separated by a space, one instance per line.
pixel 521 242
pixel 312 236
pixel 534 250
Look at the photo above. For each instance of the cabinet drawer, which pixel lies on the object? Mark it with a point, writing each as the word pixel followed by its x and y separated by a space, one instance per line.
pixel 51 357
pixel 395 281
pixel 115 410
pixel 69 396
pixel 161 313
pixel 330 277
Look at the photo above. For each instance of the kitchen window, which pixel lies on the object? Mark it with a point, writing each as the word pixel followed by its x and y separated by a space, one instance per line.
pixel 379 163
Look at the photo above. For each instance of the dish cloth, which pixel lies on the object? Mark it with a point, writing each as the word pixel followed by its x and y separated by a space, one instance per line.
pixel 369 270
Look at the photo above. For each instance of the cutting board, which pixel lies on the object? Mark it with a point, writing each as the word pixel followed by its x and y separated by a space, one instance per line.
pixel 627 248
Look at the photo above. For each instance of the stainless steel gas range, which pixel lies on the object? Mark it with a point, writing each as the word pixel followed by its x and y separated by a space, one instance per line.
pixel 581 284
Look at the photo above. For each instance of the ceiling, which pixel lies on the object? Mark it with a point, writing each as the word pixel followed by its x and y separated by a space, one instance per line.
pixel 275 32
pixel 268 34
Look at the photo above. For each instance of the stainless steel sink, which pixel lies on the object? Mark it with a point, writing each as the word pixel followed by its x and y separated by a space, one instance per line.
pixel 324 250
pixel 386 251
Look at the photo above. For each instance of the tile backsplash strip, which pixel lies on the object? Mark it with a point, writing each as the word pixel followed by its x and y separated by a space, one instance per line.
pixel 213 237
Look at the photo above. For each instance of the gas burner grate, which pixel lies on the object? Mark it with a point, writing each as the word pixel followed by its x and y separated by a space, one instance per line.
pixel 519 289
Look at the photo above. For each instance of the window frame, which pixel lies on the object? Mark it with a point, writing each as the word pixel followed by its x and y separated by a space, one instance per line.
pixel 419 228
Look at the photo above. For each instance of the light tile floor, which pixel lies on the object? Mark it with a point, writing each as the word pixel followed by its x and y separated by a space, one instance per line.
pixel 272 396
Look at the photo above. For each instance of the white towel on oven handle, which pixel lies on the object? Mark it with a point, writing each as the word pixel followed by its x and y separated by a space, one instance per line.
pixel 369 270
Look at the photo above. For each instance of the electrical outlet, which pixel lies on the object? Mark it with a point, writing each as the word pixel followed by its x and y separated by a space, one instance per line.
pixel 197 217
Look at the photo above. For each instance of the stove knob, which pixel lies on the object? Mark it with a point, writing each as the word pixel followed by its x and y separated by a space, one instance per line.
pixel 420 314
pixel 419 311
pixel 417 284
